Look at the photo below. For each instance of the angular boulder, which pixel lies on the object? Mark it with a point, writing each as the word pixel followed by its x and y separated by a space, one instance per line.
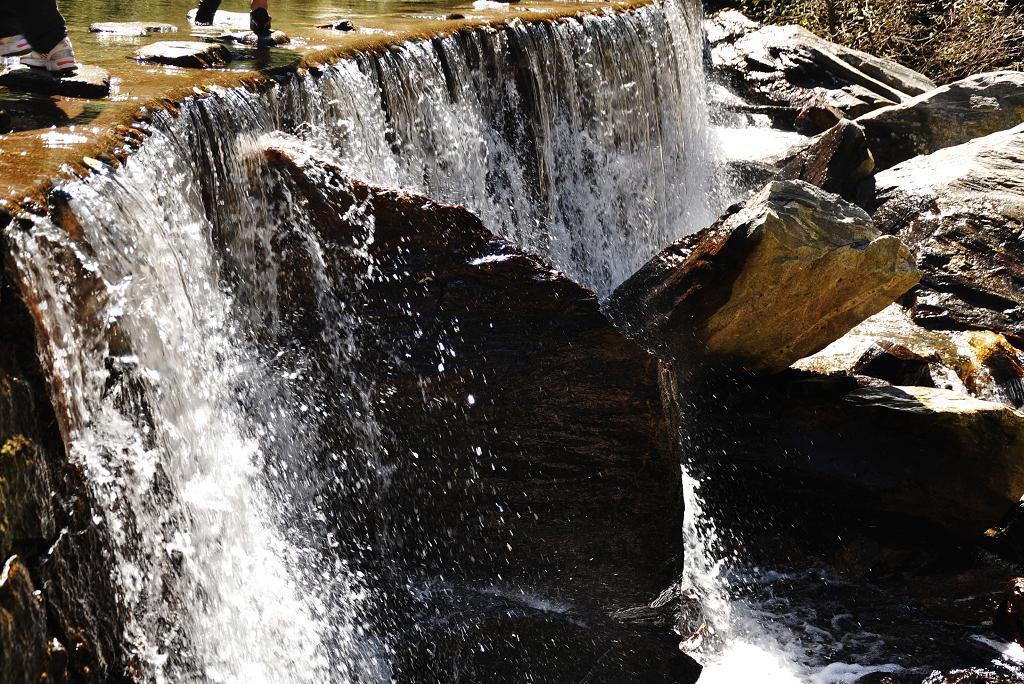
pixel 770 283
pixel 961 212
pixel 786 66
pixel 525 432
pixel 187 54
pixel 951 115
pixel 838 161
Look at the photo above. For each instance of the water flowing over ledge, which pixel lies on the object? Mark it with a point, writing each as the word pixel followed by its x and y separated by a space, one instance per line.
pixel 197 420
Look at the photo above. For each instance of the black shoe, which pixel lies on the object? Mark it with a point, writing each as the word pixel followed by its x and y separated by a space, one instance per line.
pixel 259 22
pixel 207 8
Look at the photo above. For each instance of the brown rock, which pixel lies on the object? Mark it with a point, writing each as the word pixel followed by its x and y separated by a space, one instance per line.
pixel 86 81
pixel 1009 618
pixel 186 54
pixel 838 162
pixel 768 284
pixel 23 643
pixel 520 420
pixel 817 116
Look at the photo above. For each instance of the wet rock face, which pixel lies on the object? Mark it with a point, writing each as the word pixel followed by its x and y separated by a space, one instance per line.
pixel 786 66
pixel 525 434
pixel 838 162
pixel 944 117
pixel 22 626
pixel 185 54
pixel 768 284
pixel 1009 618
pixel 961 212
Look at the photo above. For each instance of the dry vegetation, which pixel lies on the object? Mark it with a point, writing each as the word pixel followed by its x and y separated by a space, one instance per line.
pixel 944 39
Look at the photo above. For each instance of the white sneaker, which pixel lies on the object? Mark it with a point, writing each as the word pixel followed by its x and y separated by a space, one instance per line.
pixel 59 60
pixel 12 46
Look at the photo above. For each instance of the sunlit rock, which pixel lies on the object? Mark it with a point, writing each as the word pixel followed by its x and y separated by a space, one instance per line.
pixel 132 28
pixel 890 346
pixel 770 283
pixel 839 162
pixel 186 54
pixel 944 117
pixel 526 433
pixel 960 210
pixel 787 66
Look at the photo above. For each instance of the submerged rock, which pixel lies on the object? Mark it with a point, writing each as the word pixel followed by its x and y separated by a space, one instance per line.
pixel 961 212
pixel 839 162
pixel 185 54
pixel 787 66
pixel 86 81
pixel 526 434
pixel 944 117
pixel 770 283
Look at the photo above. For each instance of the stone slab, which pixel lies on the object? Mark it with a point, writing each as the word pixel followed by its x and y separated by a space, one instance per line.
pixel 132 28
pixel 86 81
pixel 250 38
pixel 185 53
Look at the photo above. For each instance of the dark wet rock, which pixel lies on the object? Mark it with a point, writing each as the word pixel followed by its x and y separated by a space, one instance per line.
pixel 186 54
pixel 340 25
pixel 86 81
pixel 490 638
pixel 455 16
pixel 132 28
pixel 817 116
pixel 6 125
pixel 896 364
pixel 890 455
pixel 77 585
pixel 23 642
pixel 838 161
pixel 770 283
pixel 788 66
pixel 527 435
pixel 944 117
pixel 1008 622
pixel 961 212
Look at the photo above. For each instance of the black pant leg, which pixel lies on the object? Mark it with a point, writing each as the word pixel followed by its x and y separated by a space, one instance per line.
pixel 207 8
pixel 43 24
pixel 10 21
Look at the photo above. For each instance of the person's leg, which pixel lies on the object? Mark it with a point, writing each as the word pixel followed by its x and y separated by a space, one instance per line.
pixel 43 24
pixel 259 21
pixel 12 39
pixel 206 10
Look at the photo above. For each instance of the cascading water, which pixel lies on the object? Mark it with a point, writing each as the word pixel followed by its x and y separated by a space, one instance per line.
pixel 200 428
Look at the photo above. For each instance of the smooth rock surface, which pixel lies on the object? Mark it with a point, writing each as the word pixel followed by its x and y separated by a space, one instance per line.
pixel 838 161
pixel 770 283
pixel 961 212
pixel 186 54
pixel 132 28
pixel 788 65
pixel 576 491
pixel 951 115
pixel 86 81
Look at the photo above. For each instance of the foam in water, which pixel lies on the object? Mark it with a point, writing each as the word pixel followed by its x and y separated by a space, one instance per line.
pixel 583 140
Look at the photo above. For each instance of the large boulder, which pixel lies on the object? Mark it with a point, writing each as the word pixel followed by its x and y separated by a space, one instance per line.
pixel 786 66
pixel 768 284
pixel 944 117
pixel 960 210
pixel 524 431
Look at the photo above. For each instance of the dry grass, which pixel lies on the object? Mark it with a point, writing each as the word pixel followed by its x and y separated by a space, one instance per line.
pixel 945 39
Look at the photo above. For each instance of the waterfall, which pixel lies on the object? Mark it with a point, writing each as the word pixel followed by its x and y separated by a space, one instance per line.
pixel 199 424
